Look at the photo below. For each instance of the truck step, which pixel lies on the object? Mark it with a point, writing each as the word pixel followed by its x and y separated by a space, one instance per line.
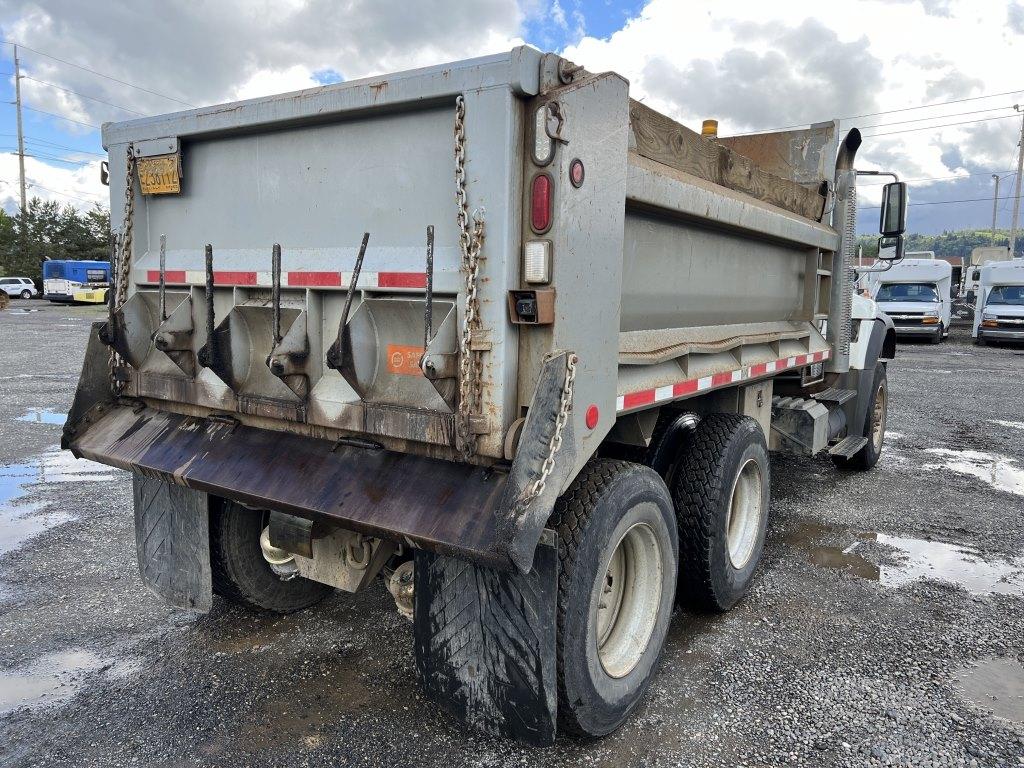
pixel 848 446
pixel 835 395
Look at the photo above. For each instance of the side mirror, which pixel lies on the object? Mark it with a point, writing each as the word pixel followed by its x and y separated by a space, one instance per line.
pixel 890 248
pixel 893 221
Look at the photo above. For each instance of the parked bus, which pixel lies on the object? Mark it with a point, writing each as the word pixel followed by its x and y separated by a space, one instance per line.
pixel 81 281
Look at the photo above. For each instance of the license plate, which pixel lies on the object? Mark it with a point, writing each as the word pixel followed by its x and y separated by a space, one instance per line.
pixel 160 175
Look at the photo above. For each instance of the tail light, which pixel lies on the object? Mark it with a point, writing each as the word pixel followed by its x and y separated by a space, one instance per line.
pixel 543 145
pixel 540 203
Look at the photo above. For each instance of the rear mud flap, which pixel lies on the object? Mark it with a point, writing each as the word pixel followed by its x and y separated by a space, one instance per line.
pixel 172 535
pixel 485 642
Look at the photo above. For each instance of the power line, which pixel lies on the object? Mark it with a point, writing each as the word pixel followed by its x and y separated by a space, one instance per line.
pixel 889 111
pixel 922 119
pixel 65 194
pixel 60 117
pixel 56 159
pixel 938 178
pixel 82 95
pixel 63 146
pixel 933 127
pixel 100 74
pixel 940 202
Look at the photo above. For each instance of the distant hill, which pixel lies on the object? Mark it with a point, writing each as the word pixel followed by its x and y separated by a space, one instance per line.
pixel 959 243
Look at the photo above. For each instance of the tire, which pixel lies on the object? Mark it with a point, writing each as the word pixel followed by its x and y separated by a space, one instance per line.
pixel 727 456
pixel 606 660
pixel 240 572
pixel 937 338
pixel 26 294
pixel 980 342
pixel 868 456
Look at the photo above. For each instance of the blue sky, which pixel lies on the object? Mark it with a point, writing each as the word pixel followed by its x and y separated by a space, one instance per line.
pixel 751 64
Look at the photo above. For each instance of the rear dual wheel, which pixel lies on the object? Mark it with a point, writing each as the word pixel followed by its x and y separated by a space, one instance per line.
pixel 244 574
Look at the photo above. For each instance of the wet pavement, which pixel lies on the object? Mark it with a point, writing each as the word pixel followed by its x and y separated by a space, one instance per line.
pixel 886 624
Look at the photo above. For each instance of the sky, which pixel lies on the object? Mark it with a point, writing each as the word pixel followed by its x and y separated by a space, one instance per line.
pixel 931 83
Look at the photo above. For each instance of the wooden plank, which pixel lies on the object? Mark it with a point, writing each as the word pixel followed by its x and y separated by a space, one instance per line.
pixel 663 140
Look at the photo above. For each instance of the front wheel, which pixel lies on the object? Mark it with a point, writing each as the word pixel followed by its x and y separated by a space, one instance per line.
pixel 874 425
pixel 244 575
pixel 618 557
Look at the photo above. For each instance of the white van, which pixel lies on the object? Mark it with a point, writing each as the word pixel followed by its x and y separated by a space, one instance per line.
pixel 915 293
pixel 999 307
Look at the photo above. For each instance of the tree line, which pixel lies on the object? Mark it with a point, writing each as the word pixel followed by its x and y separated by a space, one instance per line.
pixel 959 243
pixel 50 230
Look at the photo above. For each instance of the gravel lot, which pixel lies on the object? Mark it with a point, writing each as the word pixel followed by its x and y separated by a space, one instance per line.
pixel 886 626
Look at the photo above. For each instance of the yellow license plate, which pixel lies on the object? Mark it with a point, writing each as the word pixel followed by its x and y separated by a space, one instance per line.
pixel 160 175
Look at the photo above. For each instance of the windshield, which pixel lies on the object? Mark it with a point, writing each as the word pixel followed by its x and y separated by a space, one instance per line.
pixel 1007 294
pixel 923 292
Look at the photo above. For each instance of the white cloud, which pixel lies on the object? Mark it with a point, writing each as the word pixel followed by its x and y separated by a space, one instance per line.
pixel 79 186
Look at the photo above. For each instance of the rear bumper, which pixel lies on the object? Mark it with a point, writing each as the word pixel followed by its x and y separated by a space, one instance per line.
pixel 428 503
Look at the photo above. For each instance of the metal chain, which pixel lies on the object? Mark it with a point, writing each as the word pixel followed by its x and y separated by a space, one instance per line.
pixel 123 257
pixel 471 240
pixel 555 444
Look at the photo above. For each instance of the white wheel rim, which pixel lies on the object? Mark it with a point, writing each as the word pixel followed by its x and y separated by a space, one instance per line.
pixel 628 600
pixel 745 513
pixel 878 418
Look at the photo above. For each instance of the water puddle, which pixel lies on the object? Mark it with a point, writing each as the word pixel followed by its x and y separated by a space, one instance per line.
pixel 1001 472
pixel 996 685
pixel 54 678
pixel 21 311
pixel 20 517
pixel 43 416
pixel 914 560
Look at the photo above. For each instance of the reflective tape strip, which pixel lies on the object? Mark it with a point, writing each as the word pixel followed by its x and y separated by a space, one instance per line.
pixel 416 280
pixel 633 400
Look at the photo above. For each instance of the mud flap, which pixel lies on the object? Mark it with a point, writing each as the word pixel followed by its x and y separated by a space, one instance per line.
pixel 485 642
pixel 172 535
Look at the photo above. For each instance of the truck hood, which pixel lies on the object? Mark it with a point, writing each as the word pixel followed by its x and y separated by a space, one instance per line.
pixel 1004 310
pixel 909 307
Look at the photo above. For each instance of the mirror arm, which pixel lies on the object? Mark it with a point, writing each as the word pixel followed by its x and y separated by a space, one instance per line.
pixel 879 173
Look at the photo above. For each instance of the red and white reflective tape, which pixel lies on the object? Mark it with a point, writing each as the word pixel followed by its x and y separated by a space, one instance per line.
pixel 290 279
pixel 633 400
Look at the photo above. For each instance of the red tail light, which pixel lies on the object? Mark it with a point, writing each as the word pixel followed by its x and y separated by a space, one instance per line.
pixel 540 203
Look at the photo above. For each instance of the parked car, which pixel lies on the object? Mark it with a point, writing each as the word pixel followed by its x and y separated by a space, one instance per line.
pixel 21 287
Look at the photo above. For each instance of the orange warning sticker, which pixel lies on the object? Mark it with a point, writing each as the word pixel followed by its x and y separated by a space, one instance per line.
pixel 404 359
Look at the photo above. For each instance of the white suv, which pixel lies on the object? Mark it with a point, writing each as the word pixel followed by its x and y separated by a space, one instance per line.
pixel 20 287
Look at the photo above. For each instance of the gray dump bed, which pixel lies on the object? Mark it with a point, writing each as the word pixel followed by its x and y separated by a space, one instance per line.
pixel 678 265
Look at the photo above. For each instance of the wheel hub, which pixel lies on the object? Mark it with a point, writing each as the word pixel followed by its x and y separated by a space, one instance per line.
pixel 745 512
pixel 628 600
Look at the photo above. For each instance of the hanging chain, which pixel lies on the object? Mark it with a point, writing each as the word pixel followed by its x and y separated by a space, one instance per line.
pixel 555 444
pixel 123 261
pixel 471 240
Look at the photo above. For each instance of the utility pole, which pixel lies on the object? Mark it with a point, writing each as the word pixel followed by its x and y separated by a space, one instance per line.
pixel 21 135
pixel 1016 194
pixel 995 198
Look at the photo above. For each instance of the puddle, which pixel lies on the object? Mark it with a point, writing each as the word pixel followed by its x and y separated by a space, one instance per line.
pixel 1001 472
pixel 21 311
pixel 1009 424
pixel 43 416
pixel 20 518
pixel 996 685
pixel 54 678
pixel 914 560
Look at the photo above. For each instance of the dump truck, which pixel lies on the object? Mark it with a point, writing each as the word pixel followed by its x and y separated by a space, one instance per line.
pixel 493 334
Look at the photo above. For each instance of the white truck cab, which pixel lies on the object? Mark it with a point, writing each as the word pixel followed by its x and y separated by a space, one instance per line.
pixel 999 306
pixel 915 294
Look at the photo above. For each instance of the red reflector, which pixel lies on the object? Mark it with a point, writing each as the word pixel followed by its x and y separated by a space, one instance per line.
pixel 576 173
pixel 540 203
pixel 592 416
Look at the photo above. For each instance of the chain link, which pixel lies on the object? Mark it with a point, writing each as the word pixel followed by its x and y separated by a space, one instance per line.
pixel 471 240
pixel 123 261
pixel 555 444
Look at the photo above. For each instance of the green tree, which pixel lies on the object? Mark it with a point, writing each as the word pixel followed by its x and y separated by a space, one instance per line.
pixel 50 230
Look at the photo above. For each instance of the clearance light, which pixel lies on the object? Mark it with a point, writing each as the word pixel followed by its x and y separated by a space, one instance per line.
pixel 537 261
